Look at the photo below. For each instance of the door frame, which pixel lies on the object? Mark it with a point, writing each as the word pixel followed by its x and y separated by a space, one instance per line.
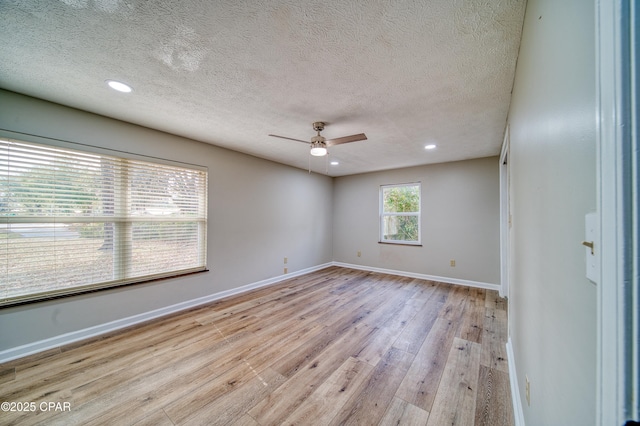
pixel 617 202
pixel 505 216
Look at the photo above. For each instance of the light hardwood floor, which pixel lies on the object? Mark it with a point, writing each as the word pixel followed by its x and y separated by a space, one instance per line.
pixel 334 347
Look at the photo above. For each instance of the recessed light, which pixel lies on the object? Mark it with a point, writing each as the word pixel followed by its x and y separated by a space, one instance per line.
pixel 119 86
pixel 431 146
pixel 334 163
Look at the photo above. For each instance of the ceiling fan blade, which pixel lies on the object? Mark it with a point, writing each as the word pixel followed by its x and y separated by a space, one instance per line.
pixel 291 139
pixel 345 139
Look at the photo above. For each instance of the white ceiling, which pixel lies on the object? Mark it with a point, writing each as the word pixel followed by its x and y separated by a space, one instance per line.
pixel 230 72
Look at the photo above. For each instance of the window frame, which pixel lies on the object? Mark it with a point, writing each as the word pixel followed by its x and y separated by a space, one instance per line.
pixel 383 215
pixel 117 281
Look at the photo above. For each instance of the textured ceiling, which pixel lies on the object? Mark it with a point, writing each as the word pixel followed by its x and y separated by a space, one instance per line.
pixel 229 72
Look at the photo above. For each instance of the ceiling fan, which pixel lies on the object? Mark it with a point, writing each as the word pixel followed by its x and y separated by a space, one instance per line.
pixel 319 144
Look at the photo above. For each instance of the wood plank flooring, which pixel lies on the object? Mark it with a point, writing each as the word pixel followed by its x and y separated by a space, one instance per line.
pixel 335 347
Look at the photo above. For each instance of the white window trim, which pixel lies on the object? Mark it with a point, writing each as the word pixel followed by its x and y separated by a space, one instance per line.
pixel 382 215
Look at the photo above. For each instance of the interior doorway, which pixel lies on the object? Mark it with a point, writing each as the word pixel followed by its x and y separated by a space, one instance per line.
pixel 505 216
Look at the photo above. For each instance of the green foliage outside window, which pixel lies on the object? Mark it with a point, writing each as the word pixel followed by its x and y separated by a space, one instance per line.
pixel 402 199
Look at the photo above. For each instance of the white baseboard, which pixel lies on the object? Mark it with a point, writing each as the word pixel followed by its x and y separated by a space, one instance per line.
pixel 74 336
pixel 515 390
pixel 468 283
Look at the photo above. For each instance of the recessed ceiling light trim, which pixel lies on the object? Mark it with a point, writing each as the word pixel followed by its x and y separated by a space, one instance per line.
pixel 119 86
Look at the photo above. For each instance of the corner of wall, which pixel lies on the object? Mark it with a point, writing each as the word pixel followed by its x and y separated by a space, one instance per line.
pixel 518 414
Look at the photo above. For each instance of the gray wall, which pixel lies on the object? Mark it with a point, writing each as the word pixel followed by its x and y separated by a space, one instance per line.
pixel 259 212
pixel 460 221
pixel 552 306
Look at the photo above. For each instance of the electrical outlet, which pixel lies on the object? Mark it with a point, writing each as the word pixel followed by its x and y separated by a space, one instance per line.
pixel 452 263
pixel 286 270
pixel 359 253
pixel 527 390
pixel 285 260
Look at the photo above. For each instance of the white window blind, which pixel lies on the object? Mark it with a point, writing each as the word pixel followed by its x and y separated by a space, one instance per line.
pixel 72 221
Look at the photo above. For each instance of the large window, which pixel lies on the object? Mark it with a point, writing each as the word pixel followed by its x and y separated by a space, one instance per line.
pixel 72 221
pixel 400 214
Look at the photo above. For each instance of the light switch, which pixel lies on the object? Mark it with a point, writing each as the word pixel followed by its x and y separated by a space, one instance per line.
pixel 592 246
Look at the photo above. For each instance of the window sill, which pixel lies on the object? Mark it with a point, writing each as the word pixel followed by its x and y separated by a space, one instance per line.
pixel 391 243
pixel 43 297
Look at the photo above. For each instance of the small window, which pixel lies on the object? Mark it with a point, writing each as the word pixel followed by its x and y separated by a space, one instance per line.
pixel 73 221
pixel 400 214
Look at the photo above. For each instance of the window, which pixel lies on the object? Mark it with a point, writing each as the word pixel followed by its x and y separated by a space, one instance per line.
pixel 400 214
pixel 73 221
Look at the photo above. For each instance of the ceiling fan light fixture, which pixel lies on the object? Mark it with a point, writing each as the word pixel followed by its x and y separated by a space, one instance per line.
pixel 318 149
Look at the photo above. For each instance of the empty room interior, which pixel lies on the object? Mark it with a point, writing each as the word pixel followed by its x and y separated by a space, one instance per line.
pixel 298 212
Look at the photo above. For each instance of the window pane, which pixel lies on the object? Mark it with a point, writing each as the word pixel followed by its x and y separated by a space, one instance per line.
pixel 41 257
pixel 400 228
pixel 164 191
pixel 164 246
pixel 399 199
